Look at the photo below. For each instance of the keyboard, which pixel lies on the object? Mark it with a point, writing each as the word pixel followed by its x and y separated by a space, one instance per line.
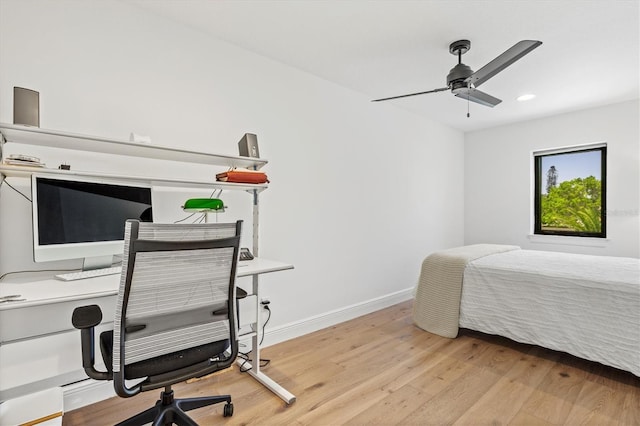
pixel 92 273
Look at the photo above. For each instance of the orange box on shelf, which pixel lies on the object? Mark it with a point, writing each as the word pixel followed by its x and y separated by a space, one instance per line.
pixel 242 176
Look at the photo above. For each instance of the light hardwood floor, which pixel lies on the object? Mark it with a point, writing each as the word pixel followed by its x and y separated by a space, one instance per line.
pixel 381 369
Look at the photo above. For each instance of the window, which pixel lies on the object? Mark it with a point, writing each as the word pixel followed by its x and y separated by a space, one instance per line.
pixel 570 192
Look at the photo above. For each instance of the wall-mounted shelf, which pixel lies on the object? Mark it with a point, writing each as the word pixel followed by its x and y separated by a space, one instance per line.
pixel 26 172
pixel 64 140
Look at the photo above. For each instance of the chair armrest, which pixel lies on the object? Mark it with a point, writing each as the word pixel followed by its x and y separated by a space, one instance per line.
pixel 85 318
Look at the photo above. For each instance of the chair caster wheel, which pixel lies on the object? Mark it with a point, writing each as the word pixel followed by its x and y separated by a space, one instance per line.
pixel 228 410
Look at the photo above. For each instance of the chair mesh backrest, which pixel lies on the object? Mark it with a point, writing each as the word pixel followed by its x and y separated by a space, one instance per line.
pixel 167 303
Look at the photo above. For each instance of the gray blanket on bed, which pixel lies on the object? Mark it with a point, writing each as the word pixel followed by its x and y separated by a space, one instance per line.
pixel 437 303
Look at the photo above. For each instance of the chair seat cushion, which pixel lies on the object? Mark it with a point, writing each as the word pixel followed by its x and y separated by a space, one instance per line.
pixel 162 364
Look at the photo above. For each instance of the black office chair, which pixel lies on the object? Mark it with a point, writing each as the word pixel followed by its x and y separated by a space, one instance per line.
pixel 175 316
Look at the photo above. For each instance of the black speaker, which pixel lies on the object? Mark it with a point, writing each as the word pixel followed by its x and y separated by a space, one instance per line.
pixel 248 146
pixel 26 107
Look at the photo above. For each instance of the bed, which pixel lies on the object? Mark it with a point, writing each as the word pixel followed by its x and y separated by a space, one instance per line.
pixel 587 306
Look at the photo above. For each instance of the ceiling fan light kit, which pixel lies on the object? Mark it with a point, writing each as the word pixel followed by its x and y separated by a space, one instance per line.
pixel 462 80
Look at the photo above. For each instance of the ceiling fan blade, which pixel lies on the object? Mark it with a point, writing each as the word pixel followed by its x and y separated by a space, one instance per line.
pixel 411 94
pixel 477 96
pixel 501 62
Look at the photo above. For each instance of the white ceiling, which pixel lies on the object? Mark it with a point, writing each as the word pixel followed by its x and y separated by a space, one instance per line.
pixel 590 54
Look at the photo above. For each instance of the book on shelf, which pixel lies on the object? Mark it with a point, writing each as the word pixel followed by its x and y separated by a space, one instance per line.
pixel 23 160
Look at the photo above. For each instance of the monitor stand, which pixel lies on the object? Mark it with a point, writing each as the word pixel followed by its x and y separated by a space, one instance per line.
pixel 97 262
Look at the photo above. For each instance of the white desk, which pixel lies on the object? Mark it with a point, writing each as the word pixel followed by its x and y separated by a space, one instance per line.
pixel 46 314
pixel 259 266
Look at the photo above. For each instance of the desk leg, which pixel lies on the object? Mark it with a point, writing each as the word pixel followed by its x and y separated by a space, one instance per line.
pixel 254 371
pixel 268 382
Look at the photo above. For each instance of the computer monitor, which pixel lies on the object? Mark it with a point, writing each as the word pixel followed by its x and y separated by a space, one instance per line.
pixel 83 218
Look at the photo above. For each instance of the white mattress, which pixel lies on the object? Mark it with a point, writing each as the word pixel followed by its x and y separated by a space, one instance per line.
pixel 588 306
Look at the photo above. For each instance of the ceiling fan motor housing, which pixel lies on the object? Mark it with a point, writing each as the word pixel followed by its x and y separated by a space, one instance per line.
pixel 456 78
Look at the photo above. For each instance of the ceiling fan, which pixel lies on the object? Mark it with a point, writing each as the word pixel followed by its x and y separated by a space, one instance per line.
pixel 462 81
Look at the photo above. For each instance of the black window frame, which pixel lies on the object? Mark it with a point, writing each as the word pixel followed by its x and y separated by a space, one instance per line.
pixel 539 175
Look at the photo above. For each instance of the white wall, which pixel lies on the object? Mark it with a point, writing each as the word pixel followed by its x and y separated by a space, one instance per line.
pixel 360 192
pixel 498 179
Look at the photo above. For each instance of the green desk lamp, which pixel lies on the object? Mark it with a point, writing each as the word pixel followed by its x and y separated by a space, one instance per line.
pixel 204 205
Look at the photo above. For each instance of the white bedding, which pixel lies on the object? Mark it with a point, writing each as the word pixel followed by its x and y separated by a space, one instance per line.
pixel 588 306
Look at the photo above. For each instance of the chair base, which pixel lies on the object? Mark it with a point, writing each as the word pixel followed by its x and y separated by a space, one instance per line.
pixel 169 411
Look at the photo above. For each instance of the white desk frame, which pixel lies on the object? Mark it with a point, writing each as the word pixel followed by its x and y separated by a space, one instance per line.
pixel 48 291
pixel 254 268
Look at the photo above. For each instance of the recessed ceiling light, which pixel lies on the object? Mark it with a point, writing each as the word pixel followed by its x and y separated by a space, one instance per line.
pixel 526 97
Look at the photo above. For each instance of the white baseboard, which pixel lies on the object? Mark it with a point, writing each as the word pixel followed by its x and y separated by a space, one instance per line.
pixel 327 319
pixel 86 392
pixel 90 391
